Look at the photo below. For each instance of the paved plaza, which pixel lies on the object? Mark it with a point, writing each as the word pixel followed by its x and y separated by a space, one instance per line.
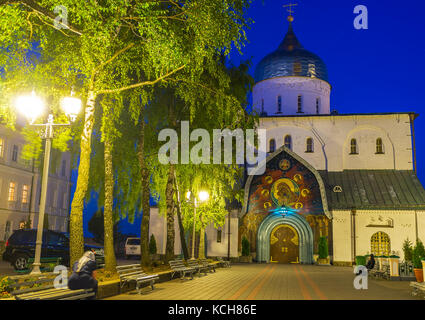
pixel 274 282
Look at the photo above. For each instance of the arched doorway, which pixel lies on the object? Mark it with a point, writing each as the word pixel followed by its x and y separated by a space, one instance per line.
pixel 380 244
pixel 288 226
pixel 284 244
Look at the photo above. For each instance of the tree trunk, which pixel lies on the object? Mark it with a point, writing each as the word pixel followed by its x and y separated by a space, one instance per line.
pixel 201 252
pixel 110 261
pixel 169 192
pixel 144 177
pixel 77 206
pixel 179 218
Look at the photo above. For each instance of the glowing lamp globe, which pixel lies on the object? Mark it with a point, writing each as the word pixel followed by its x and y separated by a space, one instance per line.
pixel 71 106
pixel 30 106
pixel 203 196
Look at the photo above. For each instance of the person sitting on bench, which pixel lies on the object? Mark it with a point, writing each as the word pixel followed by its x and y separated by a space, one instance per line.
pixel 370 263
pixel 84 275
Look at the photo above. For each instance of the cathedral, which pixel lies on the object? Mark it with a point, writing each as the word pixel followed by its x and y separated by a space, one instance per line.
pixel 347 178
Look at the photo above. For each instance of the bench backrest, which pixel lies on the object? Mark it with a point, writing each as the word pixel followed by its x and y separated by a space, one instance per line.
pixel 192 263
pixel 177 264
pixel 29 283
pixel 130 269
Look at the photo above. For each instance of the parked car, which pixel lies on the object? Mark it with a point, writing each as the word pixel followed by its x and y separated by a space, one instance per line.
pixel 20 247
pixel 132 247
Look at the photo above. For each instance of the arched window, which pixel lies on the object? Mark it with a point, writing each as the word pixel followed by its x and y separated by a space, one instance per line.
pixel 309 145
pixel 379 146
pixel 317 105
pixel 353 147
pixel 380 244
pixel 300 104
pixel 272 145
pixel 279 104
pixel 288 142
pixel 262 106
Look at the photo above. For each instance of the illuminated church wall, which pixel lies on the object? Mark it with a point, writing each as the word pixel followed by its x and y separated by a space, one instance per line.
pixel 287 187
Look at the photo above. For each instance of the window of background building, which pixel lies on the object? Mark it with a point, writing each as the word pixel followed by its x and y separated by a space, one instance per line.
pixel 380 244
pixel 219 233
pixel 300 104
pixel 63 169
pixel 353 147
pixel 1 147
pixel 379 146
pixel 288 142
pixel 12 191
pixel 15 153
pixel 309 145
pixel 25 193
pixel 272 145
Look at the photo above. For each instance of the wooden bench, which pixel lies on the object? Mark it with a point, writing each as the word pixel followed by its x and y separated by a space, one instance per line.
pixel 418 288
pixel 178 266
pixel 224 263
pixel 135 273
pixel 198 267
pixel 40 287
pixel 207 264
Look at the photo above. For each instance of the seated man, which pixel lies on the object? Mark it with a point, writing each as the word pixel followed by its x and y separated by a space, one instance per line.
pixel 371 262
pixel 84 275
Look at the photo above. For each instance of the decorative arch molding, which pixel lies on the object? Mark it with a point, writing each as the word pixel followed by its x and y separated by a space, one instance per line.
pixel 299 159
pixel 305 235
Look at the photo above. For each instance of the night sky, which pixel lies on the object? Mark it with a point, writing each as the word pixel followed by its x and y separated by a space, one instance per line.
pixel 378 70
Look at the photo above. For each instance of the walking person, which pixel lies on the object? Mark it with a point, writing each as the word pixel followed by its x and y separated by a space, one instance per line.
pixel 84 274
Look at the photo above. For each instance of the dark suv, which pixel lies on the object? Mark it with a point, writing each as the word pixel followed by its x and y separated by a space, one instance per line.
pixel 20 247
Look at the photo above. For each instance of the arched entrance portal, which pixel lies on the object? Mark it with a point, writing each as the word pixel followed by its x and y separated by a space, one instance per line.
pixel 284 244
pixel 285 228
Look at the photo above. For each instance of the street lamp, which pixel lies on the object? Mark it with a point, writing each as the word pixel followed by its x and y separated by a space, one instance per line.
pixel 203 196
pixel 32 107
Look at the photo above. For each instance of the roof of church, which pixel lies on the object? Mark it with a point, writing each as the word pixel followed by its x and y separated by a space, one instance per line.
pixel 374 189
pixel 291 59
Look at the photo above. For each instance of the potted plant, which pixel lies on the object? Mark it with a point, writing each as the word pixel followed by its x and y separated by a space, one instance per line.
pixel 417 257
pixel 323 251
pixel 246 256
pixel 360 260
pixel 153 249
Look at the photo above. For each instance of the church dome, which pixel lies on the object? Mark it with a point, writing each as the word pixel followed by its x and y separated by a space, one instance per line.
pixel 291 59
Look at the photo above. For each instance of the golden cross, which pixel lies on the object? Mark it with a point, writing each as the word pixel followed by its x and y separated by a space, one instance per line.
pixel 289 6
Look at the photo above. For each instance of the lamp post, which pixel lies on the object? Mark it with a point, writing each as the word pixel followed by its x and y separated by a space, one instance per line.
pixel 32 107
pixel 203 196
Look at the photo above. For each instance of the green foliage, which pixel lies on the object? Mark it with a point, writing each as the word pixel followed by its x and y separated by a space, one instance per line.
pixel 5 289
pixel 152 245
pixel 246 250
pixel 418 254
pixel 408 250
pixel 323 248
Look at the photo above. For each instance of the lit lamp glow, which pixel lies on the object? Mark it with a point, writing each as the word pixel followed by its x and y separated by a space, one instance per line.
pixel 203 196
pixel 71 106
pixel 30 106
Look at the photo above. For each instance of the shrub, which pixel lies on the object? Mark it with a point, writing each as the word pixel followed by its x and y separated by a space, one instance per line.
pixel 360 260
pixel 323 248
pixel 418 254
pixel 245 247
pixel 152 245
pixel 407 250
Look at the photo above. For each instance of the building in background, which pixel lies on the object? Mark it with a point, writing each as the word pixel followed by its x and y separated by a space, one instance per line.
pixel 347 177
pixel 20 188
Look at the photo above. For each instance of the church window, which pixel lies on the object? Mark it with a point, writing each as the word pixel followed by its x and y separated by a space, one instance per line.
pixel 297 68
pixel 309 146
pixel 272 145
pixel 279 104
pixel 300 104
pixel 379 146
pixel 288 142
pixel 317 105
pixel 262 106
pixel 380 244
pixel 219 233
pixel 354 149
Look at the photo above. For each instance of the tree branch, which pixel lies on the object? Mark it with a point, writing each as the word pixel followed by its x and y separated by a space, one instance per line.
pixel 140 84
pixel 33 5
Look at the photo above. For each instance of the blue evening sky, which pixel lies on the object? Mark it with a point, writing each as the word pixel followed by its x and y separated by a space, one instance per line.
pixel 381 69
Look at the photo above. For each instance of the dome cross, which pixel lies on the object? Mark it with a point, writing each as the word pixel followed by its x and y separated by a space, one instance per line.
pixel 290 6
